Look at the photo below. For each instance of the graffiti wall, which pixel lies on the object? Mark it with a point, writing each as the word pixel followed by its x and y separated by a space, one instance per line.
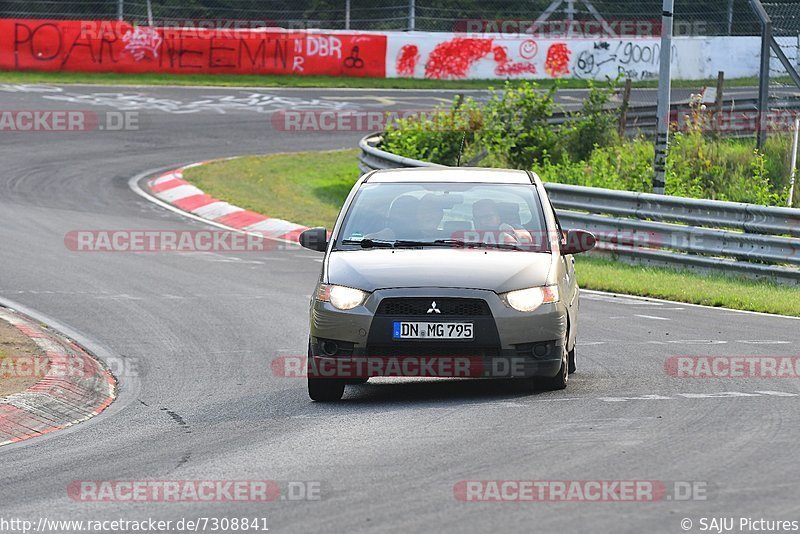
pixel 454 56
pixel 110 46
pixel 94 46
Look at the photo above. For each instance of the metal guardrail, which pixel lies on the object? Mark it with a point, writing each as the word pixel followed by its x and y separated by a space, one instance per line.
pixel 707 235
pixel 643 120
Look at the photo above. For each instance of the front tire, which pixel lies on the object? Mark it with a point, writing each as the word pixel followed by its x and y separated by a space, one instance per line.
pixel 322 389
pixel 325 389
pixel 555 383
pixel 571 359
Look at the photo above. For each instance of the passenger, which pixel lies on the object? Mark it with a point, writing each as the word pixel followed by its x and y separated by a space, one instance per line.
pixel 429 217
pixel 402 213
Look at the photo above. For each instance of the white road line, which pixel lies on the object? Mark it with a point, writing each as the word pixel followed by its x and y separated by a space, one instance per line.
pixel 643 397
pixel 696 342
pixel 721 395
pixel 777 393
pixel 765 342
pixel 652 317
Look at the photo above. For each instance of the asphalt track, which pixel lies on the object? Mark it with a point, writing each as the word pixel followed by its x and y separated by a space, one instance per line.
pixel 203 328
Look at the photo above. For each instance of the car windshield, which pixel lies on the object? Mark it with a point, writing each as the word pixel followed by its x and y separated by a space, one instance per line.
pixel 503 216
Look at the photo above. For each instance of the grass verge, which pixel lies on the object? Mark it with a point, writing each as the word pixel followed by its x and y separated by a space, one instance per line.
pixel 305 188
pixel 309 187
pixel 240 80
pixel 686 286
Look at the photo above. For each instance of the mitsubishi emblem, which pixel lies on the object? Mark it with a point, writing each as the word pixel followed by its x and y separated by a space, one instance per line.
pixel 433 308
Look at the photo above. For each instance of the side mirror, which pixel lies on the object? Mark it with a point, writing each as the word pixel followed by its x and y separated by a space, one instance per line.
pixel 314 239
pixel 578 241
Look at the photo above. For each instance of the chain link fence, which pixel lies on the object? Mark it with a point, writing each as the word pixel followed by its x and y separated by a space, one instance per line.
pixel 706 17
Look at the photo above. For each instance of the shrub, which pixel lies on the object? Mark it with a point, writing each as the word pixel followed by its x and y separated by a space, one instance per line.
pixel 435 137
pixel 719 170
pixel 516 128
pixel 594 126
pixel 627 167
pixel 513 129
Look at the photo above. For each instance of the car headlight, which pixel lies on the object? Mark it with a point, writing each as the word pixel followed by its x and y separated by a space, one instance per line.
pixel 527 300
pixel 342 298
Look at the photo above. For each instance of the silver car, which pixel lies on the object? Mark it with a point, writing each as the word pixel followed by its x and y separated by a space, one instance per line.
pixel 444 272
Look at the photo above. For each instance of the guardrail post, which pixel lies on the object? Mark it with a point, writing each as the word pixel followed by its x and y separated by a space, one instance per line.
pixel 664 89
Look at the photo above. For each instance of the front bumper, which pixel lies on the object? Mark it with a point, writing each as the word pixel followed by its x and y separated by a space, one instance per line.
pixel 506 343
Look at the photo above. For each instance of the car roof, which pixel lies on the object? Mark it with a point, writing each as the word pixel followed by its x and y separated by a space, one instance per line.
pixel 448 174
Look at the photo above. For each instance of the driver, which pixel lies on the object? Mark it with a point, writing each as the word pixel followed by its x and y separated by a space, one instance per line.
pixel 486 219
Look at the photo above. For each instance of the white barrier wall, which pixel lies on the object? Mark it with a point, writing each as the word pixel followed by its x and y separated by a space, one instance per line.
pixel 462 56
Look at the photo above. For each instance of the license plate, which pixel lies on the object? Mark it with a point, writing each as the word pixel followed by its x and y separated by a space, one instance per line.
pixel 410 330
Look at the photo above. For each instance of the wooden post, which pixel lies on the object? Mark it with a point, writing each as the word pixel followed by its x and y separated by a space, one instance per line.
pixel 720 100
pixel 623 115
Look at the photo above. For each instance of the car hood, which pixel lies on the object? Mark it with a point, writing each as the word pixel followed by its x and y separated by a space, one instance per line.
pixel 493 270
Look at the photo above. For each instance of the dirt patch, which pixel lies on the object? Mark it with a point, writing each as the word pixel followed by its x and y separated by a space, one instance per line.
pixel 22 362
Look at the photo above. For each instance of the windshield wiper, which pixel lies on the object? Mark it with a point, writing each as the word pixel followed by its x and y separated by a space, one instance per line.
pixel 478 244
pixel 369 243
pixel 411 243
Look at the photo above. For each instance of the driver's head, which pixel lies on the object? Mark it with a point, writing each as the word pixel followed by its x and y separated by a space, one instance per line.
pixel 429 214
pixel 485 215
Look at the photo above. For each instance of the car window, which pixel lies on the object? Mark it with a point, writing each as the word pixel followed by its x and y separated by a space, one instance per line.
pixel 426 212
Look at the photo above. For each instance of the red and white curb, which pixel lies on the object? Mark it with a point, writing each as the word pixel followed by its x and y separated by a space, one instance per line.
pixel 172 189
pixel 76 387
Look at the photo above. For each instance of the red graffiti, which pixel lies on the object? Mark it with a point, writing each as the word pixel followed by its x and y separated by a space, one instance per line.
pixel 111 46
pixel 515 69
pixel 557 62
pixel 407 60
pixel 506 67
pixel 453 59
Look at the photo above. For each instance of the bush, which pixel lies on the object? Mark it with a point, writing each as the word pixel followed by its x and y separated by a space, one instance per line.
pixel 627 167
pixel 720 170
pixel 516 128
pixel 513 130
pixel 594 126
pixel 435 137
